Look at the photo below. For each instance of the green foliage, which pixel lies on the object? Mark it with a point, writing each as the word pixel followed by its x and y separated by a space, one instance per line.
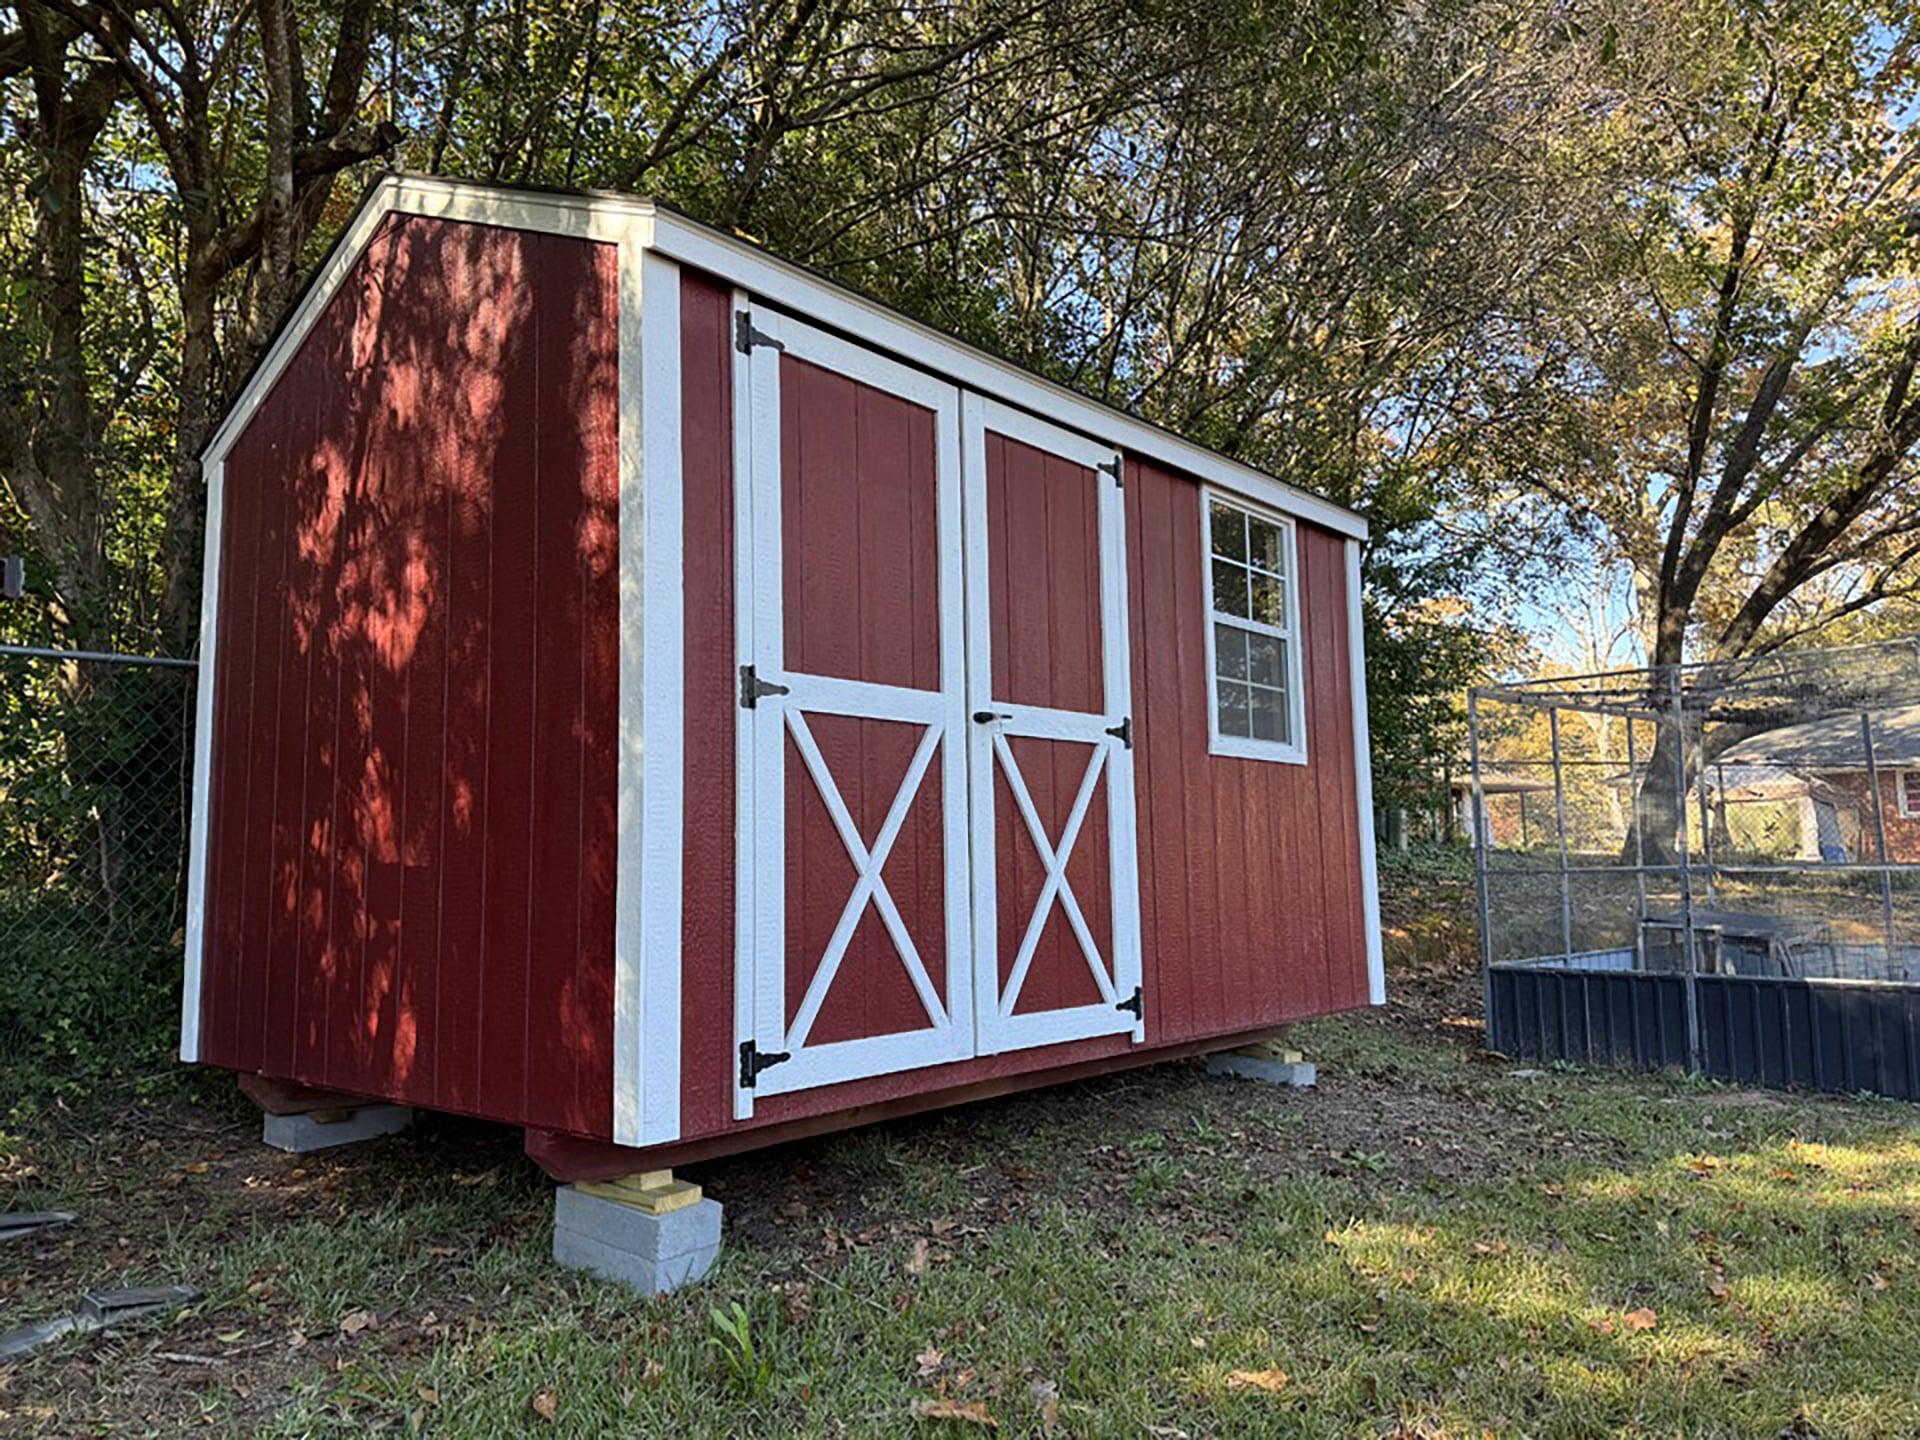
pixel 749 1368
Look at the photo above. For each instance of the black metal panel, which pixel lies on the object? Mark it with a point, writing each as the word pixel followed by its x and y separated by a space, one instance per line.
pixel 1753 1030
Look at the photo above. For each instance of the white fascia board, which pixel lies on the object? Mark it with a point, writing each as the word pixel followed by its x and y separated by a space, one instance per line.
pixel 807 295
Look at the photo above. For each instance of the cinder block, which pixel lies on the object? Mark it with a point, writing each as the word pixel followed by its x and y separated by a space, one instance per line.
pixel 323 1129
pixel 651 1253
pixel 1298 1073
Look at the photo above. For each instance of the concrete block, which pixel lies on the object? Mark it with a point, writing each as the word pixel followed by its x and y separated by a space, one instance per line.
pixel 323 1129
pixel 1262 1067
pixel 653 1253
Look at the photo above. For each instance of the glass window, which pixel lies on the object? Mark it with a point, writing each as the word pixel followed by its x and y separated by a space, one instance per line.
pixel 1254 633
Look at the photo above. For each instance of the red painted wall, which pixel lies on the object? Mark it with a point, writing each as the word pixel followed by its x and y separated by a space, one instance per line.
pixel 1250 880
pixel 411 855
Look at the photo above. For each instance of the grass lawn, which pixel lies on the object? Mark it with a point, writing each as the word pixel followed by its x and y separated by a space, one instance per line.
pixel 1433 1243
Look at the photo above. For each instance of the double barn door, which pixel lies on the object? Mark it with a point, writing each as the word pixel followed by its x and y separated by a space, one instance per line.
pixel 935 766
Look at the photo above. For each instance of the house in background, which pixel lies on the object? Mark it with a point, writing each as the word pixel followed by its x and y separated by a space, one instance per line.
pixel 1829 759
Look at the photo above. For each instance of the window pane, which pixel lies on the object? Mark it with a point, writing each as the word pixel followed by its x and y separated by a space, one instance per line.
pixel 1230 589
pixel 1267 658
pixel 1230 651
pixel 1229 532
pixel 1268 548
pixel 1233 703
pixel 1269 713
pixel 1269 604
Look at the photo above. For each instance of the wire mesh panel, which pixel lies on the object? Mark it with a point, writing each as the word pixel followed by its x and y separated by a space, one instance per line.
pixel 93 804
pixel 1754 819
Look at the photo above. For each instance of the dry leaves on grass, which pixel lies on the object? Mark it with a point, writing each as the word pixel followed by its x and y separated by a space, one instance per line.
pixel 966 1412
pixel 1641 1319
pixel 547 1404
pixel 1270 1380
pixel 354 1321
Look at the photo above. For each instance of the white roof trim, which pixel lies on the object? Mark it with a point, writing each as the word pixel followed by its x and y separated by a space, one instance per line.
pixel 616 217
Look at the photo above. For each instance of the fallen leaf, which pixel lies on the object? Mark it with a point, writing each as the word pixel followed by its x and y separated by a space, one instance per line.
pixel 1257 1380
pixel 917 1260
pixel 1641 1319
pixel 928 1361
pixel 1046 1395
pixel 429 1395
pixel 354 1321
pixel 968 1412
pixel 485 1177
pixel 1199 1342
pixel 228 1337
pixel 652 1374
pixel 546 1404
pixel 1877 1280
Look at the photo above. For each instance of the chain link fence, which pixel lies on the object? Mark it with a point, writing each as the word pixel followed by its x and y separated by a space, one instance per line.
pixel 94 776
pixel 1738 832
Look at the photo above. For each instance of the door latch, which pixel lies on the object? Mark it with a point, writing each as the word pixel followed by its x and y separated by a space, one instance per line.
pixel 752 688
pixel 1123 732
pixel 987 717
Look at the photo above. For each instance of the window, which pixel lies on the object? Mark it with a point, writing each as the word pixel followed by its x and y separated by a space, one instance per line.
pixel 1253 629
pixel 1907 787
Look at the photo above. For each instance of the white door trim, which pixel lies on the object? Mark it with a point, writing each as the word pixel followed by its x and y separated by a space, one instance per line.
pixel 994 721
pixel 778 717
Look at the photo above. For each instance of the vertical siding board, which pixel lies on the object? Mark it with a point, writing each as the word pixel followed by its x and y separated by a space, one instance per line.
pixel 228 797
pixel 313 824
pixel 285 843
pixel 254 893
pixel 708 873
pixel 515 642
pixel 1167 837
pixel 558 1039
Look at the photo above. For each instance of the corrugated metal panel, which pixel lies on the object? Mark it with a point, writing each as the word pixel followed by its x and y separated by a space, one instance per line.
pixel 1816 1035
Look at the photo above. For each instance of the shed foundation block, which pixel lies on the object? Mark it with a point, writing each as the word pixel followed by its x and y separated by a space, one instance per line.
pixel 323 1129
pixel 1268 1062
pixel 651 1232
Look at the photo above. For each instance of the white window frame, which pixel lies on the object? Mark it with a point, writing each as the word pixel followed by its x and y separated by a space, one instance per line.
pixel 1285 752
pixel 1906 794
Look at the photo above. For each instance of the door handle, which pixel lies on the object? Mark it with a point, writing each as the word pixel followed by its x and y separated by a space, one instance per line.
pixel 987 717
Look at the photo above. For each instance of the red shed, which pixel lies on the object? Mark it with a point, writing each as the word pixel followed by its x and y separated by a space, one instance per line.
pixel 655 697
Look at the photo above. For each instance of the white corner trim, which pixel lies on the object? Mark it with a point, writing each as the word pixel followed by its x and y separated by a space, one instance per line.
pixel 647 872
pixel 1363 780
pixel 1246 747
pixel 199 823
pixel 663 701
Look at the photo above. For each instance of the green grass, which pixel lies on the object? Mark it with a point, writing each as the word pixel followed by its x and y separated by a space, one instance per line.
pixel 1428 1245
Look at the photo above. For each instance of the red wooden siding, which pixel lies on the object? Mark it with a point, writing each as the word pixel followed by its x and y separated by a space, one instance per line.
pixel 410 878
pixel 1249 870
pixel 1043 540
pixel 1250 882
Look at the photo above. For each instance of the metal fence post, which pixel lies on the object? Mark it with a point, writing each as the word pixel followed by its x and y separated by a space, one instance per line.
pixel 1478 820
pixel 1880 834
pixel 1560 825
pixel 1639 854
pixel 1688 947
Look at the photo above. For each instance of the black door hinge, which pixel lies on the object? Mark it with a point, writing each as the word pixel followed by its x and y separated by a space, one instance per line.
pixel 1112 467
pixel 745 337
pixel 752 687
pixel 1123 732
pixel 1134 1003
pixel 752 1062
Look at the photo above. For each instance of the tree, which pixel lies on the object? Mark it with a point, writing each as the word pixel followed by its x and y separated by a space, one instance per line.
pixel 1743 416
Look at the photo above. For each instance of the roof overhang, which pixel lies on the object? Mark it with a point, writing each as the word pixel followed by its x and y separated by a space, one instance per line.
pixel 635 222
